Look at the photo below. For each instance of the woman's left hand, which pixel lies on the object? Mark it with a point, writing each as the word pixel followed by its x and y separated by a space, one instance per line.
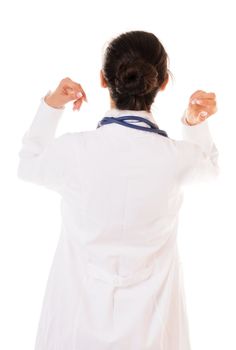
pixel 201 106
pixel 67 91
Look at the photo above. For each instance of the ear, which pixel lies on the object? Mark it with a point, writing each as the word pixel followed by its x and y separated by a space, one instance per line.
pixel 102 80
pixel 163 86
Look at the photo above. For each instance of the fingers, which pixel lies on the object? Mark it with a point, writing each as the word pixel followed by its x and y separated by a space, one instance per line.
pixel 77 104
pixel 203 115
pixel 73 88
pixel 207 106
pixel 201 106
pixel 202 94
pixel 203 102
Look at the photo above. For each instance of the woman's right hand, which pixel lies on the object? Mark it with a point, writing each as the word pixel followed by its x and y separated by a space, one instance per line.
pixel 201 106
pixel 67 90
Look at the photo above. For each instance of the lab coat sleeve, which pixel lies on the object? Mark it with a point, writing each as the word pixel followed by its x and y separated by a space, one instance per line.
pixel 198 154
pixel 44 159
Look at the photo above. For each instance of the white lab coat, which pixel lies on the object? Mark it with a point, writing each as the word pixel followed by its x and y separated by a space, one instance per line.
pixel 116 279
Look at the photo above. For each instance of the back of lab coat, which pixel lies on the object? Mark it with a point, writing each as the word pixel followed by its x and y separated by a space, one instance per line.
pixel 115 276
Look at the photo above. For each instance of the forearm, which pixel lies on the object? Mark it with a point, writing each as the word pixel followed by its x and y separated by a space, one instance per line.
pixel 42 129
pixel 198 134
pixel 36 140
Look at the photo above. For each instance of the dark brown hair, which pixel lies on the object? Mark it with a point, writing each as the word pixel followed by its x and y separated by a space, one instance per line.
pixel 135 66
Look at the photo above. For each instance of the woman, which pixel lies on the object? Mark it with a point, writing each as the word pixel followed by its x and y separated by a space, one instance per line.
pixel 116 279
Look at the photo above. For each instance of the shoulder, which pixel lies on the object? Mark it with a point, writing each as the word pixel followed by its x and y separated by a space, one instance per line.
pixel 183 153
pixel 77 140
pixel 70 137
pixel 186 146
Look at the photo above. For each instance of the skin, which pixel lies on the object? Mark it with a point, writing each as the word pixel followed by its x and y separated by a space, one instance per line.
pixel 201 104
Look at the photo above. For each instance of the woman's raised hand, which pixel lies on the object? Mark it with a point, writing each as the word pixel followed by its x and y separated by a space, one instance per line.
pixel 67 91
pixel 201 106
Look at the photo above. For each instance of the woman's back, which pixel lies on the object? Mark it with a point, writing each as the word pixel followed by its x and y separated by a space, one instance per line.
pixel 115 282
pixel 122 193
pixel 116 278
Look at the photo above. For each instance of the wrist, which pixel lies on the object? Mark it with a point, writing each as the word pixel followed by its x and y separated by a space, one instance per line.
pixel 189 123
pixel 48 99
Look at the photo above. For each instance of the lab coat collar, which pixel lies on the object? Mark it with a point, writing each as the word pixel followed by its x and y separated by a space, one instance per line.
pixel 115 112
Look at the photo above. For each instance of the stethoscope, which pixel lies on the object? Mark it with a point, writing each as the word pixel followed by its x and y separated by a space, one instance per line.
pixel 121 121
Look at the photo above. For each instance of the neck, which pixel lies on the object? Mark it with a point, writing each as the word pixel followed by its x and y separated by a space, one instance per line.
pixel 112 105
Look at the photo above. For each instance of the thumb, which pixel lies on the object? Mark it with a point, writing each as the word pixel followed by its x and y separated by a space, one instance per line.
pixel 70 94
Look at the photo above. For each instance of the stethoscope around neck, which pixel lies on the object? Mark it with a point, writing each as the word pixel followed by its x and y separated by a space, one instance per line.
pixel 121 120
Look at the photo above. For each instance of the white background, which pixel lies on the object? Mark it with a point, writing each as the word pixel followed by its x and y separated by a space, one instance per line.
pixel 45 41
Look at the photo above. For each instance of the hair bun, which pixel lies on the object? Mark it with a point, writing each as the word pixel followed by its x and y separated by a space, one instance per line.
pixel 136 78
